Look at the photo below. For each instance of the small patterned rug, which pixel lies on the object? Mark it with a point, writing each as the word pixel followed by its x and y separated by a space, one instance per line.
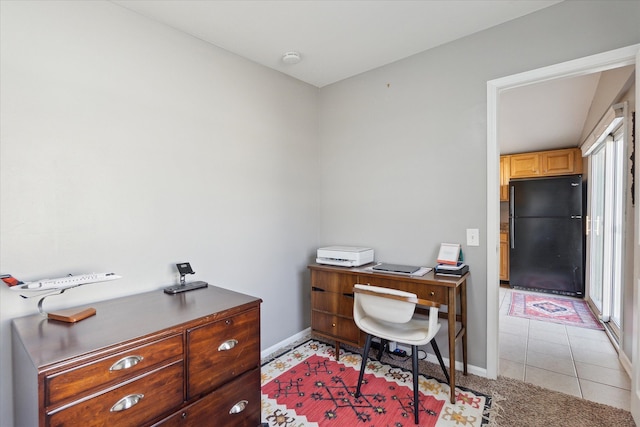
pixel 307 387
pixel 566 311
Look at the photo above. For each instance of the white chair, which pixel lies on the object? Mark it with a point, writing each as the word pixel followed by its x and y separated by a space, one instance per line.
pixel 389 314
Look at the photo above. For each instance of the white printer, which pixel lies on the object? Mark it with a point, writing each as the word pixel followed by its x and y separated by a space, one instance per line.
pixel 344 256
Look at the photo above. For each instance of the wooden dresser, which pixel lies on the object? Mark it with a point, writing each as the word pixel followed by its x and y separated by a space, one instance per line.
pixel 146 359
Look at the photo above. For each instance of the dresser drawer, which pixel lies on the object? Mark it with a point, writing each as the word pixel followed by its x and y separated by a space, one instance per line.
pixel 149 396
pixel 236 404
pixel 222 350
pixel 98 374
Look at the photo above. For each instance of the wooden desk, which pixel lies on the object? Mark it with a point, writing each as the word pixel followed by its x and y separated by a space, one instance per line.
pixel 332 304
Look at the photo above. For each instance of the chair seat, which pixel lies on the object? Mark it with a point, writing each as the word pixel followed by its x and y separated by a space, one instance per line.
pixel 414 332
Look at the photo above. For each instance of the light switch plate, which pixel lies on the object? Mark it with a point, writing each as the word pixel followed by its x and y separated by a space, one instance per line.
pixel 473 237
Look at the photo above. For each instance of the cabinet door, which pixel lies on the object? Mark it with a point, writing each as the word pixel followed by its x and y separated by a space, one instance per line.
pixel 221 350
pixel 505 175
pixel 236 404
pixel 504 256
pixel 561 162
pixel 524 165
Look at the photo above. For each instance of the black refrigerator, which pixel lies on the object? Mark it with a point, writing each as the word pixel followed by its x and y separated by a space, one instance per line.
pixel 546 235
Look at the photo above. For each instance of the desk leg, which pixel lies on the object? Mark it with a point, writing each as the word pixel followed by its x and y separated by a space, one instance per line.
pixel 463 326
pixel 451 308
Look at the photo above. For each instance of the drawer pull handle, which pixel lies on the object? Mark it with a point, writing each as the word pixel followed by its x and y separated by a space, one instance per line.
pixel 315 289
pixel 126 363
pixel 127 402
pixel 433 293
pixel 227 345
pixel 347 295
pixel 238 407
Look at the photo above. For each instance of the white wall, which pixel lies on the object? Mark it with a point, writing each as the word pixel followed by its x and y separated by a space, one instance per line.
pixel 107 119
pixel 403 147
pixel 126 146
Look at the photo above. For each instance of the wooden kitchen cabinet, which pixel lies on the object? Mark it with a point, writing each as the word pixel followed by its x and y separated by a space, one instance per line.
pixel 504 256
pixel 561 162
pixel 505 175
pixel 545 163
pixel 524 165
pixel 146 359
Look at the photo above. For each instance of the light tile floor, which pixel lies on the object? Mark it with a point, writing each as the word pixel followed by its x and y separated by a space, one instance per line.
pixel 572 360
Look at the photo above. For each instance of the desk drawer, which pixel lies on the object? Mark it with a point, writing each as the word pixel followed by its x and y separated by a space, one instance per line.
pixel 222 350
pixel 333 282
pixel 424 291
pixel 158 391
pixel 338 327
pixel 331 302
pixel 98 374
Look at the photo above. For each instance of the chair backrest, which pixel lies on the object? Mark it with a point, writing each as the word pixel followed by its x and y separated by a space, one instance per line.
pixel 389 305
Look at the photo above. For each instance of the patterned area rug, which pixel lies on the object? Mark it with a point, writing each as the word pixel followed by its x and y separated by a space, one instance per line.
pixel 567 311
pixel 307 387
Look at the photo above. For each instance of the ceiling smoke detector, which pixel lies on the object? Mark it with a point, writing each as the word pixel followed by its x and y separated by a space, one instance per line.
pixel 291 58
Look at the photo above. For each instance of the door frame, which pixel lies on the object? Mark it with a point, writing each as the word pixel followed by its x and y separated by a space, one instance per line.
pixel 600 62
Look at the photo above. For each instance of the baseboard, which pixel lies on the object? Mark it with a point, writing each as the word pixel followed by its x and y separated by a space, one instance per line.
pixel 475 370
pixel 285 343
pixel 626 363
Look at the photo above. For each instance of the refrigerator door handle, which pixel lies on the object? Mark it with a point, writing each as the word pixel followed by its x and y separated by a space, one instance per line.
pixel 512 197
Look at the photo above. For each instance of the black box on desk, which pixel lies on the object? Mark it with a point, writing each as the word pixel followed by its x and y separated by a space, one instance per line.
pixel 452 270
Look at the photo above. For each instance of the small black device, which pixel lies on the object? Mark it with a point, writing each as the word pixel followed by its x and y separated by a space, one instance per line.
pixel 184 268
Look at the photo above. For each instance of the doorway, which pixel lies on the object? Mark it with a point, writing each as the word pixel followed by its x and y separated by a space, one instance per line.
pixel 600 62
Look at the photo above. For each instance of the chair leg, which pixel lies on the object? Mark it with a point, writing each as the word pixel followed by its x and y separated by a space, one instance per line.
pixel 365 353
pixel 414 362
pixel 436 350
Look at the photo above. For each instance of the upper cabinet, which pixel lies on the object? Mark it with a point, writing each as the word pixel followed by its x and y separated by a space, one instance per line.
pixel 540 163
pixel 524 165
pixel 505 167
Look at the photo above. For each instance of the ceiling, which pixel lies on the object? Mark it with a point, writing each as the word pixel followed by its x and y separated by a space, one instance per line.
pixel 340 39
pixel 335 39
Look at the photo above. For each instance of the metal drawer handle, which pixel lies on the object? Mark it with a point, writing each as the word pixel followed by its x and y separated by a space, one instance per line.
pixel 238 407
pixel 127 402
pixel 227 345
pixel 126 363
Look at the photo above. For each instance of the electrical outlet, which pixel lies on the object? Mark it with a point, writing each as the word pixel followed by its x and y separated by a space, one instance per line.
pixel 473 237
